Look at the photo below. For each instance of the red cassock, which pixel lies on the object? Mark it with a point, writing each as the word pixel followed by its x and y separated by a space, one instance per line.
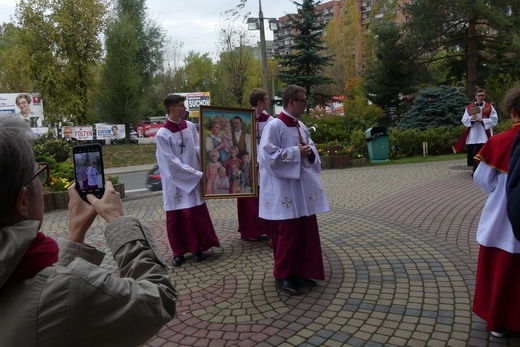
pixel 291 195
pixel 188 222
pixel 190 230
pixel 497 285
pixel 249 224
pixel 496 291
pixel 297 248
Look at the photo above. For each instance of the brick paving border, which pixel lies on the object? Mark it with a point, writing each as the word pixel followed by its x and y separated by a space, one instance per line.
pixel 399 251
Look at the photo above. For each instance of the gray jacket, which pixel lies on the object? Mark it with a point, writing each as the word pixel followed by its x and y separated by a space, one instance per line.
pixel 75 302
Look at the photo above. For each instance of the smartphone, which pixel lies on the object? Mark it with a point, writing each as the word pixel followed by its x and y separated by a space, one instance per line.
pixel 89 170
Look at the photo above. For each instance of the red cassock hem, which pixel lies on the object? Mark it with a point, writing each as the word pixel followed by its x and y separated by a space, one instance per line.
pixel 297 248
pixel 497 298
pixel 190 230
pixel 249 224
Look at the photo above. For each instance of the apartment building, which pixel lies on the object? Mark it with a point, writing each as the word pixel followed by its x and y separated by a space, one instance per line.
pixel 282 37
pixel 325 13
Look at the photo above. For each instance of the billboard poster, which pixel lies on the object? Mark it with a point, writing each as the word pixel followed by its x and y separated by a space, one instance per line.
pixel 147 130
pixel 77 133
pixel 194 100
pixel 110 131
pixel 40 131
pixel 28 106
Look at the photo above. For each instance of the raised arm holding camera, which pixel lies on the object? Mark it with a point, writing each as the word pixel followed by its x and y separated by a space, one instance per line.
pixel 55 294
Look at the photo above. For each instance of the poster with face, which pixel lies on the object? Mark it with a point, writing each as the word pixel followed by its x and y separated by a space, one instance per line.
pixel 28 106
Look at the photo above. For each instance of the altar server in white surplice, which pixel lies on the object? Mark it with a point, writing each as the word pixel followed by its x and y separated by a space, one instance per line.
pixel 188 222
pixel 291 195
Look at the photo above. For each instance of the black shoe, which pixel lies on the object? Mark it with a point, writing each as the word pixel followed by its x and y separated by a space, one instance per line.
pixel 177 261
pixel 304 282
pixel 288 287
pixel 198 256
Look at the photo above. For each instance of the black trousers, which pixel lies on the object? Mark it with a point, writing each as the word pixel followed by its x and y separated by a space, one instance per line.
pixel 473 149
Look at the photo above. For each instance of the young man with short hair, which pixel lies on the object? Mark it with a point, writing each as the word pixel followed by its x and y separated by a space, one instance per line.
pixel 250 226
pixel 188 221
pixel 291 195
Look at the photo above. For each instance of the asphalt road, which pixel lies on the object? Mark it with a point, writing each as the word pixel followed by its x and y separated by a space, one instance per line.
pixel 135 182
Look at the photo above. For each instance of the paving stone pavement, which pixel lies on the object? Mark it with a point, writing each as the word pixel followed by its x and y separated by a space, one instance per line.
pixel 400 258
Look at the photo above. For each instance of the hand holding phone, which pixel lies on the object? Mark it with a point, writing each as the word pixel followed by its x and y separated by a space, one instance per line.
pixel 89 170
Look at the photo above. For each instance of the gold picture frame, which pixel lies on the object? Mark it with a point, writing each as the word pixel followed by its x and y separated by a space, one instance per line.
pixel 228 160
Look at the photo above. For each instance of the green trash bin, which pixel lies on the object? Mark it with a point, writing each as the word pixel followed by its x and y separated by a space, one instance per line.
pixel 377 142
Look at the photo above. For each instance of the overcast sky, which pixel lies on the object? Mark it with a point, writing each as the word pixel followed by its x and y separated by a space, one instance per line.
pixel 194 22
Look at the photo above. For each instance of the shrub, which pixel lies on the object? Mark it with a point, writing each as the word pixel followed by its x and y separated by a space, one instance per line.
pixel 328 127
pixel 62 174
pixel 435 107
pixel 112 178
pixel 358 144
pixel 58 149
pixel 409 143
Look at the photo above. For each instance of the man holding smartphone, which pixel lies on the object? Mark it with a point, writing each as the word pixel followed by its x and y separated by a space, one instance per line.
pixel 55 294
pixel 188 222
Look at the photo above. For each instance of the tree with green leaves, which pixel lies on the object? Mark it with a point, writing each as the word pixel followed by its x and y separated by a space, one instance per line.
pixel 15 74
pixel 464 33
pixel 344 40
pixel 60 41
pixel 435 107
pixel 305 64
pixel 134 53
pixel 198 72
pixel 235 67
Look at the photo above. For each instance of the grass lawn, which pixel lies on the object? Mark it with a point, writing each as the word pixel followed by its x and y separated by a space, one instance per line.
pixel 421 159
pixel 128 155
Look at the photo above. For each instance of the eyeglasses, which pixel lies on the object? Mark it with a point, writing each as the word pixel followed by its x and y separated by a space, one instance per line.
pixel 480 95
pixel 43 174
pixel 302 100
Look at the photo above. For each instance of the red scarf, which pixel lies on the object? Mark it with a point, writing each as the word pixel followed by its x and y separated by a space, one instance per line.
pixel 42 253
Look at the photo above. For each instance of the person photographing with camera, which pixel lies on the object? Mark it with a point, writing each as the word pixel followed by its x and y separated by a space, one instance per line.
pixel 54 293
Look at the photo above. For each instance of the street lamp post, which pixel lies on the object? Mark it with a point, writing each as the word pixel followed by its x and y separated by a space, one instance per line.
pixel 258 24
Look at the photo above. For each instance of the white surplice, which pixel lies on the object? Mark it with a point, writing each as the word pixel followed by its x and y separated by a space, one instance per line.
pixel 477 133
pixel 289 185
pixel 180 173
pixel 494 228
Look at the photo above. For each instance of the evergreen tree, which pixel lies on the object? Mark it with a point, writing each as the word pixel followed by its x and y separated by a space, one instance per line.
pixel 391 74
pixel 305 64
pixel 435 107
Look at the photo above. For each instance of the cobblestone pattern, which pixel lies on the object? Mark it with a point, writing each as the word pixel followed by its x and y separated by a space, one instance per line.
pixel 399 252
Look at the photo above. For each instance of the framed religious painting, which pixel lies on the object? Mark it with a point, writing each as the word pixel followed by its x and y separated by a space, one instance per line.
pixel 227 152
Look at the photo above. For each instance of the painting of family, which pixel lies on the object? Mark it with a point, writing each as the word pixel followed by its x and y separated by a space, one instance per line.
pixel 227 150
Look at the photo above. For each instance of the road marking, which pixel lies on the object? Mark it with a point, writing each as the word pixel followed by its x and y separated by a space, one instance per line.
pixel 136 190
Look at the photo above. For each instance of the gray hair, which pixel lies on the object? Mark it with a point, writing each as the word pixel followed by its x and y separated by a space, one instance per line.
pixel 16 161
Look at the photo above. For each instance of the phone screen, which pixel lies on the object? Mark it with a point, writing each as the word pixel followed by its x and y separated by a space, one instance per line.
pixel 89 170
